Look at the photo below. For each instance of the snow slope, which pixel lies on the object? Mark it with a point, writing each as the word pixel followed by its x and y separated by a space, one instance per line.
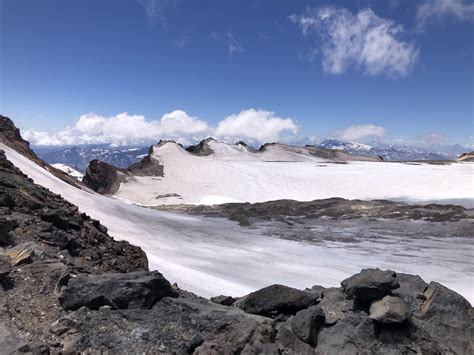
pixel 69 170
pixel 213 256
pixel 233 174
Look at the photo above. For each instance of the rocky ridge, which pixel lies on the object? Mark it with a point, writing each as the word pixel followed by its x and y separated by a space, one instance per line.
pixel 11 137
pixel 67 286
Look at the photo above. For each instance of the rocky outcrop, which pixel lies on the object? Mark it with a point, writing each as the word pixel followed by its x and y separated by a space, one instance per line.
pixel 103 178
pixel 202 148
pixel 337 208
pixel 11 137
pixel 68 287
pixel 467 157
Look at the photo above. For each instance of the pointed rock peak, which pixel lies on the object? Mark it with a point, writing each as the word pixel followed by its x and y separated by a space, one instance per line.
pixel 202 148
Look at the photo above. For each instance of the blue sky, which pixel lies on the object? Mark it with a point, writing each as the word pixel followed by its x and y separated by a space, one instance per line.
pixel 238 68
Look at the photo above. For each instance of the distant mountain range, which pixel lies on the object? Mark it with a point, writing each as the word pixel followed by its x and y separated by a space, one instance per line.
pixel 392 152
pixel 78 157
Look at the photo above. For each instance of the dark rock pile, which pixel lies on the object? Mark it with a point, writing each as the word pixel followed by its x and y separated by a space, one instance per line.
pixel 67 286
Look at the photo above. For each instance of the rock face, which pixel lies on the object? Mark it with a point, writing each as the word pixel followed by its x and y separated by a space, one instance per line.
pixel 68 287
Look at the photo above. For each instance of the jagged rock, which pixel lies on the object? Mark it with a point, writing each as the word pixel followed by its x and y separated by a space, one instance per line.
pixel 306 324
pixel 23 253
pixel 276 299
pixel 389 310
pixel 223 300
pixel 140 289
pixel 444 316
pixel 370 284
pixel 202 148
pixel 5 266
pixel 334 304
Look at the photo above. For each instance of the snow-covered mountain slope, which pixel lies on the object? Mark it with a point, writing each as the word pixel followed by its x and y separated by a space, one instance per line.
pixel 213 256
pixel 69 170
pixel 234 174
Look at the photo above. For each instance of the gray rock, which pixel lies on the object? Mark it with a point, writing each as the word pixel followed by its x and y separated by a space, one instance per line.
pixel 370 284
pixel 411 289
pixel 223 300
pixel 389 310
pixel 352 334
pixel 334 304
pixel 306 324
pixel 445 317
pixel 289 340
pixel 140 289
pixel 276 299
pixel 5 267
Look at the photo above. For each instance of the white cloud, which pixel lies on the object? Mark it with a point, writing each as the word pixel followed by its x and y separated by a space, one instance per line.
pixel 354 133
pixel 120 129
pixel 364 40
pixel 434 10
pixel 433 138
pixel 178 122
pixel 256 125
pixel 253 125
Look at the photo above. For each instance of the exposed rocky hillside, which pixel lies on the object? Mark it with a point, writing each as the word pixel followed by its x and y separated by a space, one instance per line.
pixel 69 287
pixel 467 157
pixel 11 137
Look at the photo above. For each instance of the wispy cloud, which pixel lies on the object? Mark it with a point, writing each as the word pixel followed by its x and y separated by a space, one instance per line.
pixel 434 10
pixel 364 40
pixel 156 9
pixel 182 42
pixel 228 39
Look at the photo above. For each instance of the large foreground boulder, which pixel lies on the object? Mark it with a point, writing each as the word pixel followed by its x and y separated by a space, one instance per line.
pixel 140 289
pixel 276 299
pixel 370 284
pixel 445 316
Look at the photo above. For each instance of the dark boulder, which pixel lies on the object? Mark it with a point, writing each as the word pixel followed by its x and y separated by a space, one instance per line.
pixel 103 178
pixel 306 324
pixel 276 299
pixel 140 289
pixel 334 303
pixel 370 284
pixel 223 300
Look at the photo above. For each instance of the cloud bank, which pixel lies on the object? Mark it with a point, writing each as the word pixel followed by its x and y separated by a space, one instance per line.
pixel 354 133
pixel 124 129
pixel 364 40
pixel 434 10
